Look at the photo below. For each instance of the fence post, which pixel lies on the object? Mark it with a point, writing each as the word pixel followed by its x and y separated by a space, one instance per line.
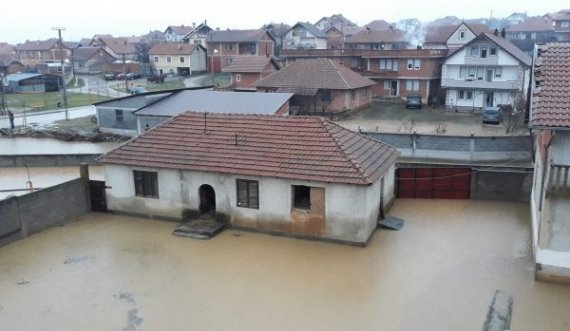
pixel 84 174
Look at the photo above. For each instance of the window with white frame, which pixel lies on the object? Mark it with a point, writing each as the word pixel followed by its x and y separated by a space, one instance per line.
pixel 238 77
pixel 461 94
pixel 156 59
pixel 387 85
pixel 168 59
pixel 565 24
pixel 412 85
pixel 462 34
pixel 389 64
pixel 469 95
pixel 498 72
pixel 474 51
pixel 414 64
pixel 182 59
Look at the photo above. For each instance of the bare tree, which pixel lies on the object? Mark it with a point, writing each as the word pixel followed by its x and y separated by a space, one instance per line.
pixel 440 128
pixel 513 115
pixel 408 125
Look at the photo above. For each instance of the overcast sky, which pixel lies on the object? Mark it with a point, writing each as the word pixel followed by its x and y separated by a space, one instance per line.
pixel 125 18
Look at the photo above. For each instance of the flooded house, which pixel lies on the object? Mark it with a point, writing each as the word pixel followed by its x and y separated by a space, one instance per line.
pixel 298 176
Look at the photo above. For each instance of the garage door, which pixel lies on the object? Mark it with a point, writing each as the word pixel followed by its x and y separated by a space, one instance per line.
pixel 433 183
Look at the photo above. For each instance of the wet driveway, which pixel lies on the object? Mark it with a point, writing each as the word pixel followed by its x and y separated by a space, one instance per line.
pixel 438 273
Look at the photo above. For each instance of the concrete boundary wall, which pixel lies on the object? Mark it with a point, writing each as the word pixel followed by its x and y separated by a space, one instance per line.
pixel 458 148
pixel 31 213
pixel 46 160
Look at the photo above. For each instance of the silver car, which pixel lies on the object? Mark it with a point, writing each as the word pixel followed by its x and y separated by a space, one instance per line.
pixel 492 115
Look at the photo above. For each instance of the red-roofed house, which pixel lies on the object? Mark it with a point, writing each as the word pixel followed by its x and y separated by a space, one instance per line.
pixel 177 58
pixel 247 70
pixel 320 85
pixel 36 52
pixel 489 71
pixel 175 33
pixel 550 121
pixel 299 176
pixel 120 48
pixel 225 45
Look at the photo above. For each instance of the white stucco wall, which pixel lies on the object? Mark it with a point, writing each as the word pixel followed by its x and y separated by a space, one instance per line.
pixel 351 211
pixel 455 40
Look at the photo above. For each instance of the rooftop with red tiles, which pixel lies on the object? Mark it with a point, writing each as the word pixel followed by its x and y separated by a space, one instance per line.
pixel 301 148
pixel 551 98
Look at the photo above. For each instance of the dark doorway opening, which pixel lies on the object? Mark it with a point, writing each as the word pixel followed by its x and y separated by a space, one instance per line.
pixel 207 199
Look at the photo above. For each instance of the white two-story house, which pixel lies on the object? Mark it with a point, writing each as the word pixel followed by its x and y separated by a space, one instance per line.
pixel 486 72
pixel 305 35
pixel 177 59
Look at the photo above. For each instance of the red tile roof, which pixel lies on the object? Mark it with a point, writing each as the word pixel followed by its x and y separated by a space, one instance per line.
pixel 302 148
pixel 378 25
pixel 377 36
pixel 316 74
pixel 551 99
pixel 119 45
pixel 532 25
pixel 180 29
pixel 249 63
pixel 172 49
pixel 38 45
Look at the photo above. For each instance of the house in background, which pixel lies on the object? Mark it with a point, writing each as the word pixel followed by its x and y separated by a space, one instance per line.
pixel 224 46
pixel 256 172
pixel 561 24
pixel 404 72
pixel 198 35
pixel 530 32
pixel 321 86
pixel 10 64
pixel 336 37
pixel 305 35
pixel 212 102
pixel 133 115
pixel 550 203
pixel 177 58
pixel 121 48
pixel 378 39
pixel 378 25
pixel 247 70
pixel 486 72
pixel 176 33
pixel 87 60
pixel 452 36
pixel 337 20
pixel 36 52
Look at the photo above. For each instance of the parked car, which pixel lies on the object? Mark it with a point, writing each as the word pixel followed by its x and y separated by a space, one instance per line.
pixel 138 90
pixel 414 101
pixel 132 75
pixel 121 76
pixel 109 76
pixel 492 115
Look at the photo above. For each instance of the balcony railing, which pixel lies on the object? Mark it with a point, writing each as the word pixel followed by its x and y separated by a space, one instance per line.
pixel 463 83
pixel 559 180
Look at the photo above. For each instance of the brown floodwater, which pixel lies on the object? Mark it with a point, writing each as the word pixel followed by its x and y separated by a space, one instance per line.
pixel 439 272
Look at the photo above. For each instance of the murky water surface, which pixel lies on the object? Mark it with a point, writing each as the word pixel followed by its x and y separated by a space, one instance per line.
pixel 19 146
pixel 438 273
pixel 41 177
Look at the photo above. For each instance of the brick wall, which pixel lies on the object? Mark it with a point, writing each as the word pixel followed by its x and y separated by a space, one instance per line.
pixel 246 79
pixel 31 213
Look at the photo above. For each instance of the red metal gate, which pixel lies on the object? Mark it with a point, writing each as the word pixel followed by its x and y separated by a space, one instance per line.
pixel 433 183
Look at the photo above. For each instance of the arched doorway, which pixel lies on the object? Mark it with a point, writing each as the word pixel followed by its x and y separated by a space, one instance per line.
pixel 207 199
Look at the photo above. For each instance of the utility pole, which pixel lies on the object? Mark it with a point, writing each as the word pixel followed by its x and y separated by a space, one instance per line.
pixel 61 57
pixel 2 99
pixel 125 73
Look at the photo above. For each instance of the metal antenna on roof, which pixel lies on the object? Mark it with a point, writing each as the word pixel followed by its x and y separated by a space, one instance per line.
pixel 205 121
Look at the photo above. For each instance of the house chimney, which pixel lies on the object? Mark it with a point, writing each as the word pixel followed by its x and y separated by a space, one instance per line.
pixel 193 25
pixel 496 32
pixel 503 33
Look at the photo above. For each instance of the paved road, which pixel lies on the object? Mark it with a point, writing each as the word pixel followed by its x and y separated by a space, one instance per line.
pixel 47 117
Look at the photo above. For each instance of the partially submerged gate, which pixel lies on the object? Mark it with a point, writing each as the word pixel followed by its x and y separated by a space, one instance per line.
pixel 433 183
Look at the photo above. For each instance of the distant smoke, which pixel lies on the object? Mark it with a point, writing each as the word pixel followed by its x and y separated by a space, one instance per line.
pixel 414 32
